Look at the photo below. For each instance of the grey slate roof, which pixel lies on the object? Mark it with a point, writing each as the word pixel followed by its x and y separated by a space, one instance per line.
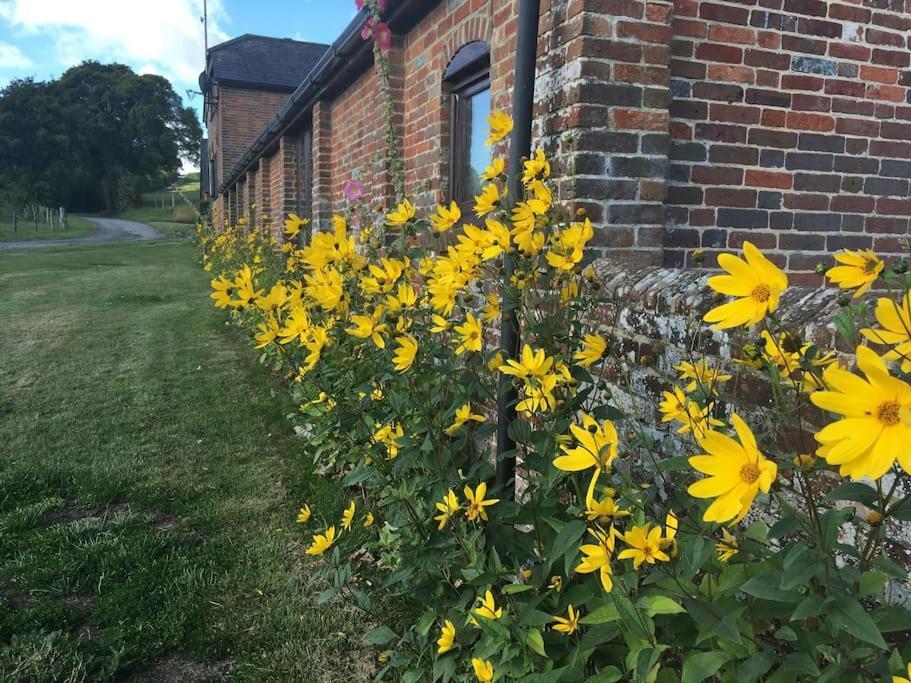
pixel 262 62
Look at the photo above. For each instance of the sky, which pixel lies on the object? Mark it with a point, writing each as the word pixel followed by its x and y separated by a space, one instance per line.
pixel 42 38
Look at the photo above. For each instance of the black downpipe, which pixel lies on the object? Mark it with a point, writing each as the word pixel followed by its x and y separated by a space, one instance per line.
pixel 523 99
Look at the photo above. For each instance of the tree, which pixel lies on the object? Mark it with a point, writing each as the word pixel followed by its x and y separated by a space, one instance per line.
pixel 92 138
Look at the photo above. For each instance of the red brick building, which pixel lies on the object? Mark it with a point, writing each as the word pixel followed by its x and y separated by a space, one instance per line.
pixel 676 125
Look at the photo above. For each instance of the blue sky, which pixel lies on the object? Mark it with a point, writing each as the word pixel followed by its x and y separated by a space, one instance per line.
pixel 42 38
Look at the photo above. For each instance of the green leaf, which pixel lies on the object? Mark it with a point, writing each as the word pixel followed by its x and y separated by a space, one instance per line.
pixel 422 628
pixel 678 463
pixel 513 588
pixel 852 490
pixel 847 614
pixel 700 665
pixel 755 667
pixel 810 606
pixel 872 583
pixel 609 675
pixel 567 539
pixel 660 604
pixel 767 588
pixel 382 635
pixel 535 642
pixel 519 431
pixel 800 663
pixel 602 615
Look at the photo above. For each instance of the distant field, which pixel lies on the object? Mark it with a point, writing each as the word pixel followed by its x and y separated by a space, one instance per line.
pixel 78 227
pixel 156 209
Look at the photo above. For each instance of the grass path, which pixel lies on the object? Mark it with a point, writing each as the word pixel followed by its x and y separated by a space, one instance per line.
pixel 148 483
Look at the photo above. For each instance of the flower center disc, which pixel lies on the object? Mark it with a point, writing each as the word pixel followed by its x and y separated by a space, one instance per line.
pixel 749 473
pixel 889 413
pixel 762 293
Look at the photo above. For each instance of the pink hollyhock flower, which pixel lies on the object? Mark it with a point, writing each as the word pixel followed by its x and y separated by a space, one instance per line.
pixel 353 190
pixel 359 4
pixel 367 31
pixel 383 36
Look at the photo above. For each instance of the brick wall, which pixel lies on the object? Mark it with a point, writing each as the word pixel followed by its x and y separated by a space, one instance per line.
pixel 791 127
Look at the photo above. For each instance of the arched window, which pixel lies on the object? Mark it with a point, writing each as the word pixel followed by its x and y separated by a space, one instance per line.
pixel 467 79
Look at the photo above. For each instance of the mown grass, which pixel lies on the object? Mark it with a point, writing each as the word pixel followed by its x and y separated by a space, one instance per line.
pixel 78 227
pixel 148 484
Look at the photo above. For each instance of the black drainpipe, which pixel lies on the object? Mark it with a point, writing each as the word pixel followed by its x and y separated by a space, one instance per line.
pixel 523 99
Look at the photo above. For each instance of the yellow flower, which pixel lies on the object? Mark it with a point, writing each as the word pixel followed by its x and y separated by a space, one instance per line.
pixel 322 542
pixel 477 505
pixel 875 428
pixel 902 679
pixel 348 516
pixel 293 225
pixel 593 347
pixel 804 461
pixel 757 284
pixel 859 269
pixel 645 546
pixel 403 213
pixel 463 415
pixel 483 670
pixel 445 218
pixel 556 583
pixel 304 514
pixel 447 637
pixel 596 558
pixel 488 200
pixel 404 355
pixel 692 417
pixel 491 311
pixel 487 607
pixel 533 363
pixel 447 507
pixel 221 295
pixel 389 435
pixel 737 473
pixel 268 332
pixel 602 511
pixel 596 446
pixel 500 126
pixel 727 547
pixel 369 326
pixel 568 245
pixel 703 376
pixel 895 330
pixel 470 335
pixel 495 361
pixel 440 324
pixel 297 326
pixel 569 624
pixel 275 299
pixel 536 168
pixel 495 170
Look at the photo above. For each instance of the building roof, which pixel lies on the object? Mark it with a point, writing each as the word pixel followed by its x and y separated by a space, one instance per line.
pixel 261 62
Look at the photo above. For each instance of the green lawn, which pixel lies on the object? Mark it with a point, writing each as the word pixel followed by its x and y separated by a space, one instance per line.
pixel 149 484
pixel 78 227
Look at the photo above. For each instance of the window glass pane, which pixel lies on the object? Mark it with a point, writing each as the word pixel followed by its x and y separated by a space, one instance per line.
pixel 479 156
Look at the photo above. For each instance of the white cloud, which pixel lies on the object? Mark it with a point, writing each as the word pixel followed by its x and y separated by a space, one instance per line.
pixel 160 36
pixel 11 57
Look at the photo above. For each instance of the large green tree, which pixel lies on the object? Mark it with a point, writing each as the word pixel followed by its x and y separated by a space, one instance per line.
pixel 92 138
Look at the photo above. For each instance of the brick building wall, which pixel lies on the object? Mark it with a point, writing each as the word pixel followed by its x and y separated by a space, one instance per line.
pixel 791 126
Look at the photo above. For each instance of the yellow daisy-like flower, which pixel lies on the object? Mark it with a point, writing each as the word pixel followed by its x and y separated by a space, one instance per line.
pixel 895 320
pixel 875 428
pixel 403 213
pixel 483 670
pixel 858 270
pixel 477 504
pixel 293 225
pixel 491 311
pixel 727 547
pixel 692 417
pixel 369 520
pixel 737 472
pixel 447 507
pixel 568 245
pixel 593 348
pixel 445 218
pixel 495 361
pixel 470 335
pixel 322 542
pixel 446 641
pixel 405 353
pixel 268 332
pixel 569 624
pixel 440 324
pixel 702 375
pixel 596 558
pixel 536 168
pixel 304 514
pixel 500 126
pixel 487 608
pixel 596 446
pixel 903 679
pixel 533 363
pixel 556 583
pixel 488 200
pixel 495 170
pixel 369 326
pixel 757 284
pixel 348 516
pixel 463 415
pixel 645 546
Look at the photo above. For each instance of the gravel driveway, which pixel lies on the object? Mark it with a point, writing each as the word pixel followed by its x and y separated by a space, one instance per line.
pixel 109 230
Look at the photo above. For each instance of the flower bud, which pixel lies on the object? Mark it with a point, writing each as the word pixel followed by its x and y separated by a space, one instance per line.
pixel 822 268
pixel 900 267
pixel 874 518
